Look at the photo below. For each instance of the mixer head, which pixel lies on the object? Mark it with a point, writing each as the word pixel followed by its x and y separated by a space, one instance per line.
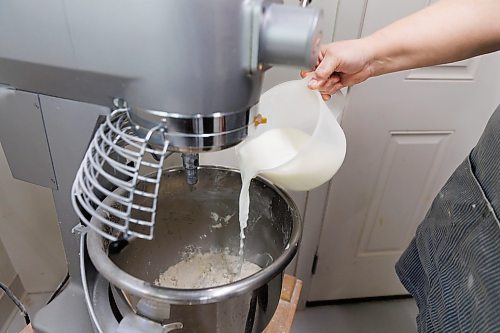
pixel 208 95
pixel 202 103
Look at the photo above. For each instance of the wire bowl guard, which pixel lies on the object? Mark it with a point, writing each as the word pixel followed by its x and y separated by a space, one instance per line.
pixel 115 162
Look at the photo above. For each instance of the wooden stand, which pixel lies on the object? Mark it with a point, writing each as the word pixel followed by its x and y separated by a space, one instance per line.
pixel 283 318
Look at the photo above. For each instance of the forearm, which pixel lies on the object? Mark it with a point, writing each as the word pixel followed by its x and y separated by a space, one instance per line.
pixel 447 31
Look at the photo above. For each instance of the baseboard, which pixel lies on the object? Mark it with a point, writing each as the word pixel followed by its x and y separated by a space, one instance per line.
pixel 7 307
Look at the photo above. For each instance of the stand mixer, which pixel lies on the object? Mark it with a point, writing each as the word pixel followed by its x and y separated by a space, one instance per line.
pixel 144 79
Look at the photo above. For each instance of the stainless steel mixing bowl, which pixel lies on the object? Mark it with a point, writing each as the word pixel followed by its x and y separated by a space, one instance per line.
pixel 186 219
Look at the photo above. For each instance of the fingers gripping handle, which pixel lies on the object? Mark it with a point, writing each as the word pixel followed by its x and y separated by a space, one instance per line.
pixel 337 103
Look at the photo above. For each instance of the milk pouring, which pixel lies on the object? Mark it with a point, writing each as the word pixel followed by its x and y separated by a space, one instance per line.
pixel 301 147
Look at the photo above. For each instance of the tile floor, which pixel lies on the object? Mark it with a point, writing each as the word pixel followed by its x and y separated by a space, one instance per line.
pixel 392 316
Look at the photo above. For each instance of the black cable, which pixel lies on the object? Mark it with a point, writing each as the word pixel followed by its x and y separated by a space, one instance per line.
pixel 17 302
pixel 59 288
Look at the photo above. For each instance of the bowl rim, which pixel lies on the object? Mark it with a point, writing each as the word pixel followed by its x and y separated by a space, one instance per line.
pixel 141 288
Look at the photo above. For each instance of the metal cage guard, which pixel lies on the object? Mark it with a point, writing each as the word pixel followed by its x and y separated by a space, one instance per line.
pixel 113 164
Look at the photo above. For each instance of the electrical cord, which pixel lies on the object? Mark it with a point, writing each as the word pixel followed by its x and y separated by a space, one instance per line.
pixel 59 288
pixel 17 302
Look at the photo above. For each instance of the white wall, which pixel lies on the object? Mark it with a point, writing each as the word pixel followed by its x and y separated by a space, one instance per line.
pixel 29 232
pixel 8 277
pixel 7 272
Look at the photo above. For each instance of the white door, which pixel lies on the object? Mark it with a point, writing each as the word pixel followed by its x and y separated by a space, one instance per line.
pixel 406 133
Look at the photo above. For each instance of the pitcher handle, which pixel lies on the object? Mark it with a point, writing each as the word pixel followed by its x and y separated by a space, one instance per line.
pixel 336 104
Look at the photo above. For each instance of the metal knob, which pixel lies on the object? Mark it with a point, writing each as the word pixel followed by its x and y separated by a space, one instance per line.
pixel 289 35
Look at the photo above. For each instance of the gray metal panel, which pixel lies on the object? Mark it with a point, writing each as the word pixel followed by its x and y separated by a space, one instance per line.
pixel 92 51
pixel 66 313
pixel 83 43
pixel 69 127
pixel 23 138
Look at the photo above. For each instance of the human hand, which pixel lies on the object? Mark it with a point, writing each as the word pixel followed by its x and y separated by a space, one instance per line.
pixel 340 64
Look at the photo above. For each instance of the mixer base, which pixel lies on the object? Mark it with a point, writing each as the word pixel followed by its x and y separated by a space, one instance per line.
pixel 67 309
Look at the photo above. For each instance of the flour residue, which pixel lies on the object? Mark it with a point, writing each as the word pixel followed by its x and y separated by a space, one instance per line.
pixel 206 270
pixel 219 221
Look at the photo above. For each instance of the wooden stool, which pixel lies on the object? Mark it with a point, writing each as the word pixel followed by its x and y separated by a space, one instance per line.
pixel 283 318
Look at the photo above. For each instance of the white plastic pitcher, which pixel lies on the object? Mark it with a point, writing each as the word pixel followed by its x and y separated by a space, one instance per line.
pixel 302 144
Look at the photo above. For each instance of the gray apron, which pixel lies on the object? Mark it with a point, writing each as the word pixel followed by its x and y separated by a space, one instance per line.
pixel 452 266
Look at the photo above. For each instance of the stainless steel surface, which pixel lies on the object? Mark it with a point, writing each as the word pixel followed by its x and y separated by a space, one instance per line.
pixel 106 305
pixel 290 36
pixel 184 214
pixel 188 62
pixel 66 313
pixel 190 162
pixel 24 142
pixel 89 278
pixel 116 159
pixel 99 300
pixel 197 133
pixel 69 126
pixel 192 65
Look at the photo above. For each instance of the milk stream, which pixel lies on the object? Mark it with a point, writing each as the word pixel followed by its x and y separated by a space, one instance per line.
pixel 246 179
pixel 266 151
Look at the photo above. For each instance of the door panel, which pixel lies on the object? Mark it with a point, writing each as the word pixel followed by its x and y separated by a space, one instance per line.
pixel 391 214
pixel 459 70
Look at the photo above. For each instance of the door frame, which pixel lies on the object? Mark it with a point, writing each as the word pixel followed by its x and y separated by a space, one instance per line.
pixel 349 16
